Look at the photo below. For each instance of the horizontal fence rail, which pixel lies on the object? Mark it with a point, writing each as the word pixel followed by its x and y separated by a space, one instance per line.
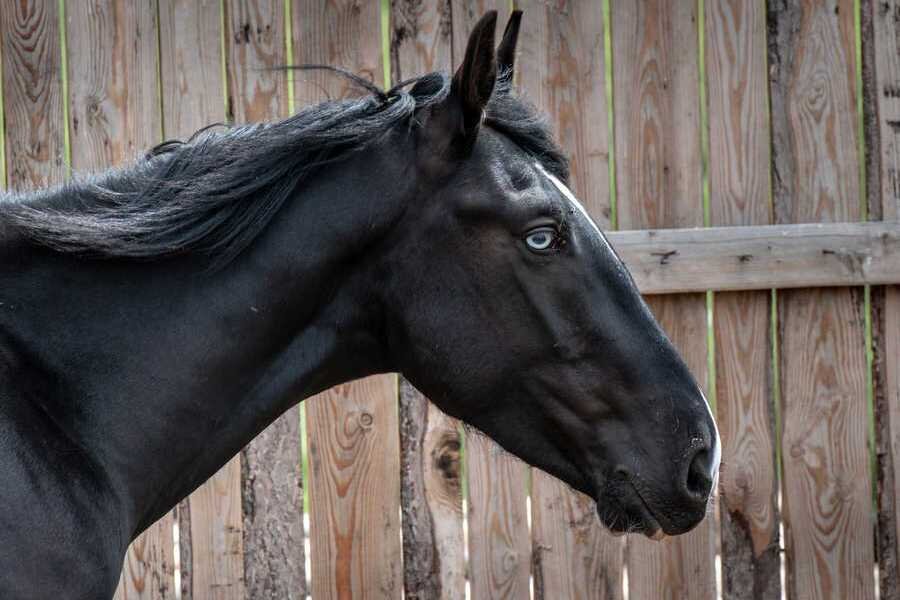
pixel 760 257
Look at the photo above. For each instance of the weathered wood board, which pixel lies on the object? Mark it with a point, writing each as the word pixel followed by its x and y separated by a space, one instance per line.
pixel 827 485
pixel 739 195
pixel 32 94
pixel 658 159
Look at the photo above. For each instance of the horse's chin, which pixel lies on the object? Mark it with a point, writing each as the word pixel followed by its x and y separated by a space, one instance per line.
pixel 626 512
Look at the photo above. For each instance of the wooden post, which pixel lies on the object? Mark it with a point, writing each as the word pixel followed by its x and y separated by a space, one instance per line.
pixel 353 428
pixel 657 120
pixel 739 195
pixel 881 81
pixel 562 68
pixel 270 465
pixel 827 484
pixel 193 96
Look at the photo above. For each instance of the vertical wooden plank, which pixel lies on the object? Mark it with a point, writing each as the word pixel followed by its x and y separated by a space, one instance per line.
pixel 431 495
pixel 827 484
pixel 192 93
pixel 29 33
pixel 739 195
pixel 114 116
pixel 499 545
pixel 657 120
pixel 355 491
pixel 881 79
pixel 270 465
pixel 353 428
pixel 561 68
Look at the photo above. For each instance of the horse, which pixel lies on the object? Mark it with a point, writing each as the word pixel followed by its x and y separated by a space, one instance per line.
pixel 199 293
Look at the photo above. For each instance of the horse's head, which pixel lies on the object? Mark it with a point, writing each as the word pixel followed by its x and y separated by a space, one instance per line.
pixel 513 313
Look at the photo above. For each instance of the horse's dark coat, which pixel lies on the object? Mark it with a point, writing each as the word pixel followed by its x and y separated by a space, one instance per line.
pixel 130 371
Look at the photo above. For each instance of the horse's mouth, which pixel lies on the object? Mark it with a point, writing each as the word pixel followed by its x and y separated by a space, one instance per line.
pixel 635 515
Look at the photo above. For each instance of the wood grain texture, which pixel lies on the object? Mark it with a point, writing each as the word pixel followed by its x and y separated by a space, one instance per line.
pixel 657 120
pixel 29 34
pixel 342 33
pixel 113 89
pixel 192 94
pixel 355 491
pixel 352 429
pixel 113 117
pixel 499 544
pixel 670 261
pixel 431 499
pixel 467 12
pixel 827 484
pixel 431 495
pixel 881 88
pixel 561 68
pixel 739 195
pixel 421 38
pixel 270 465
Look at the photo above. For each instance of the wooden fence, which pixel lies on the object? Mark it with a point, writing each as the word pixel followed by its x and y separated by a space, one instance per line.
pixel 676 114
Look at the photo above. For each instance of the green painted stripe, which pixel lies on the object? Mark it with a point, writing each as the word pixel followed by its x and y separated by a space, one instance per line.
pixel 610 117
pixel 64 83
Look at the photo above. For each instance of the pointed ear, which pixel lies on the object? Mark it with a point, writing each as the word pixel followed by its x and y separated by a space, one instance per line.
pixel 473 82
pixel 506 51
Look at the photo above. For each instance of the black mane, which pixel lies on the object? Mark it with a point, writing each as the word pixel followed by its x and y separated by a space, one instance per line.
pixel 216 192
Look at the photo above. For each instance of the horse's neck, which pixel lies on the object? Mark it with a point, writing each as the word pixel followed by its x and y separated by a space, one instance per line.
pixel 161 374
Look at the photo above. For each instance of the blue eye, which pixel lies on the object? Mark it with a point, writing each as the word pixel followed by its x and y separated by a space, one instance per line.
pixel 540 239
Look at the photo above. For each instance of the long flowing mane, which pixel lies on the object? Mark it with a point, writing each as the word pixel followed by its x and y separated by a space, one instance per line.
pixel 216 192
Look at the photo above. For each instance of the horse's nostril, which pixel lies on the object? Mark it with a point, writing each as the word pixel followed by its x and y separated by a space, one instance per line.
pixel 699 475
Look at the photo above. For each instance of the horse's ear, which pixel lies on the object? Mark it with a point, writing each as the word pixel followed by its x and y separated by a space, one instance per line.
pixel 473 83
pixel 506 51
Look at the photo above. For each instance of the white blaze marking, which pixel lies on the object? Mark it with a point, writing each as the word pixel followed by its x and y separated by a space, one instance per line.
pixel 568 195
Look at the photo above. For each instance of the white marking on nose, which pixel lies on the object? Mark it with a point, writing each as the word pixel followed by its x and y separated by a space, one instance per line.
pixel 568 195
pixel 717 445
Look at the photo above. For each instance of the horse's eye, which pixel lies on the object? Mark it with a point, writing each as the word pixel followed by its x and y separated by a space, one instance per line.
pixel 540 239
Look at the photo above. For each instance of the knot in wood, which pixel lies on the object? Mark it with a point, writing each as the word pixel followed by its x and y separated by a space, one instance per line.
pixel 366 420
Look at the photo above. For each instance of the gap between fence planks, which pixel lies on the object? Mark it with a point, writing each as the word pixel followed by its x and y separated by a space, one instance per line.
pixel 739 195
pixel 881 81
pixel 354 453
pixel 658 157
pixel 562 68
pixel 192 97
pixel 827 484
pixel 672 261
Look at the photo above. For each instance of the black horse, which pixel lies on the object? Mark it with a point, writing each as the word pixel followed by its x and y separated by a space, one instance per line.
pixel 154 319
